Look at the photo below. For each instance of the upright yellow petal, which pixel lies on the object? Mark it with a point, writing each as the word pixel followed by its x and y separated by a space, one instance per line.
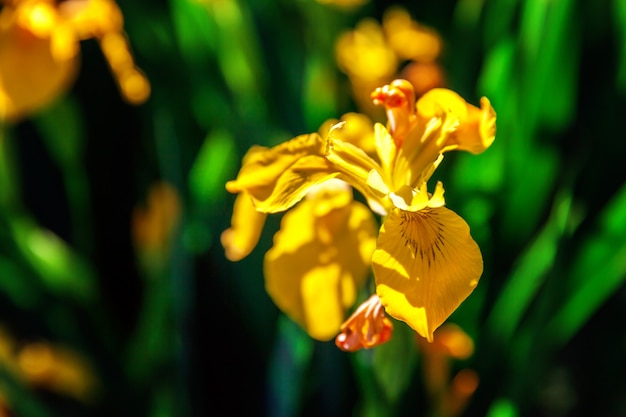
pixel 278 177
pixel 319 260
pixel 426 263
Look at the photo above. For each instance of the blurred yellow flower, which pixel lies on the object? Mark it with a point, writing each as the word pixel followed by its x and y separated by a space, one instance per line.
pixel 154 225
pixel 425 263
pixel 372 53
pixel 56 368
pixel 48 366
pixel 40 46
pixel 449 394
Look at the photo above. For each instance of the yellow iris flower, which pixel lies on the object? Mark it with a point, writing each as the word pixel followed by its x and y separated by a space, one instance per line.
pixel 39 51
pixel 425 263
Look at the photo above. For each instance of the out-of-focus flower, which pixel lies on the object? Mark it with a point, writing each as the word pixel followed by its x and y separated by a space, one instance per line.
pixel 449 394
pixel 408 39
pixel 48 366
pixel 154 225
pixel 425 263
pixel 56 368
pixel 40 48
pixel 373 54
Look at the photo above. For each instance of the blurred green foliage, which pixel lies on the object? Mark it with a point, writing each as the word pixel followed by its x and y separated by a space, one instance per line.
pixel 185 332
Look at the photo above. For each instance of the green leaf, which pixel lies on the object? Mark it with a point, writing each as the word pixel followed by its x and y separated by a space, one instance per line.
pixel 61 127
pixel 15 284
pixel 502 407
pixel 597 271
pixel 62 272
pixel 212 168
pixel 532 268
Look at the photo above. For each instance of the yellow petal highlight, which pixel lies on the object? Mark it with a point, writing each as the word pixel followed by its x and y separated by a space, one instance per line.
pixel 245 230
pixel 318 262
pixel 476 128
pixel 355 167
pixel 277 178
pixel 426 263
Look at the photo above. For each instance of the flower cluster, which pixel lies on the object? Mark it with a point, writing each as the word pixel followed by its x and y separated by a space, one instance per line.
pixel 424 260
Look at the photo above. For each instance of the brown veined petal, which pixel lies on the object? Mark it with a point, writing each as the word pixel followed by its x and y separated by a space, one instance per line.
pixel 317 264
pixel 426 263
pixel 278 177
pixel 245 230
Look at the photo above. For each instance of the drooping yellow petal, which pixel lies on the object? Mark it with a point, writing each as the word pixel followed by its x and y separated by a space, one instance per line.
pixel 476 128
pixel 245 230
pixel 277 178
pixel 426 263
pixel 318 262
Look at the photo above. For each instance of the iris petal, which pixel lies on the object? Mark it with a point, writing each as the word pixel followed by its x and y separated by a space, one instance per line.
pixel 426 263
pixel 476 128
pixel 245 230
pixel 317 264
pixel 279 177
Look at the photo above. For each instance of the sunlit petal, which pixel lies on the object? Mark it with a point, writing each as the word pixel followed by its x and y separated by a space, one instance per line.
pixel 426 263
pixel 476 127
pixel 355 167
pixel 318 262
pixel 277 178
